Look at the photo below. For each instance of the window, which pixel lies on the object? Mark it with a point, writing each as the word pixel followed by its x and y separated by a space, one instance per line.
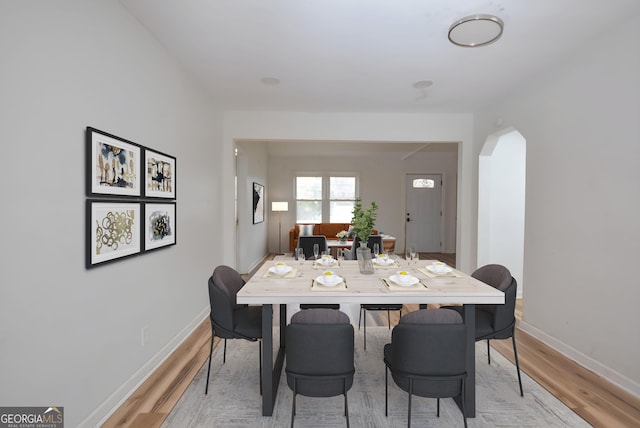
pixel 325 198
pixel 423 183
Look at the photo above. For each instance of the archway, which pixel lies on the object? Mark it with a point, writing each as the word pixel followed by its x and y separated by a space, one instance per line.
pixel 501 202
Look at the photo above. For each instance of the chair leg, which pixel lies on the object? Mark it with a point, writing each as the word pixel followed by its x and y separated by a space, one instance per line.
pixel 438 407
pixel 488 352
pixel 260 363
pixel 293 404
pixel 409 410
pixel 360 317
pixel 364 322
pixel 206 389
pixel 464 410
pixel 389 318
pixel 224 354
pixel 346 403
pixel 386 390
pixel 515 355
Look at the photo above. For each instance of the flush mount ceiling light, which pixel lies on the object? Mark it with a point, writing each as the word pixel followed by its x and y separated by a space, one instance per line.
pixel 270 81
pixel 476 30
pixel 422 84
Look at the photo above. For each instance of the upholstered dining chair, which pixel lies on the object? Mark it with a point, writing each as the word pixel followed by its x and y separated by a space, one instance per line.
pixel 230 320
pixel 376 307
pixel 426 357
pixel 373 239
pixel 306 243
pixel 319 355
pixel 497 321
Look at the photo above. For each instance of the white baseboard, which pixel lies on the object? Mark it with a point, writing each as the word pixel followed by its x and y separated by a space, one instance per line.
pixel 584 360
pixel 104 411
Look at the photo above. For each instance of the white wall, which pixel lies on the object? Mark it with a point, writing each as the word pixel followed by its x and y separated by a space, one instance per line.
pixel 69 336
pixel 582 235
pixel 290 126
pixel 382 179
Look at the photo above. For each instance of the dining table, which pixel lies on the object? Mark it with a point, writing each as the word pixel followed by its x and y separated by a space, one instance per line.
pixel 306 282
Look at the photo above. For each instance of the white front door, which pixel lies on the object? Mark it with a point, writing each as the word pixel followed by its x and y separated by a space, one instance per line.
pixel 423 216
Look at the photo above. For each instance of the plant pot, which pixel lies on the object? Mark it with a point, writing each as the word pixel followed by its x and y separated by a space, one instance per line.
pixel 363 254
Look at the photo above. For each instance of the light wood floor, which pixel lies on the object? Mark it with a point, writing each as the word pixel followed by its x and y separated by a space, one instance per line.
pixel 597 401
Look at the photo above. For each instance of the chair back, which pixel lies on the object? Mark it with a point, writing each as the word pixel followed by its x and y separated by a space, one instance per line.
pixel 224 285
pixel 307 242
pixel 373 239
pixel 430 343
pixel 319 353
pixel 499 277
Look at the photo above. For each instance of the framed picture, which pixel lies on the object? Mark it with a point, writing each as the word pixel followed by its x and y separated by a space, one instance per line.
pixel 113 230
pixel 160 175
pixel 258 203
pixel 159 228
pixel 113 165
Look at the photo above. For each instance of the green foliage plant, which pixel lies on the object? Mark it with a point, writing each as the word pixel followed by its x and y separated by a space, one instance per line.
pixel 363 221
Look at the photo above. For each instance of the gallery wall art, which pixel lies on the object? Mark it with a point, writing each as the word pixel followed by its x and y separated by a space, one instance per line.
pixel 125 182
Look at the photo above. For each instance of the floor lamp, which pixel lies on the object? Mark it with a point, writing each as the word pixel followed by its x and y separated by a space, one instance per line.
pixel 279 207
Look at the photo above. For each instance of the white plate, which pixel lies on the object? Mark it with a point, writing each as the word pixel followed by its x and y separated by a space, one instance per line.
pixel 382 261
pixel 412 280
pixel 446 269
pixel 286 270
pixel 328 262
pixel 321 280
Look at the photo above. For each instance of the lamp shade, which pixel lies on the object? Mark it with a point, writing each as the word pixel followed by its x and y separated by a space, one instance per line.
pixel 279 206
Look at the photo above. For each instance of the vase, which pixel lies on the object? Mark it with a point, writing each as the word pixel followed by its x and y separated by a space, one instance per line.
pixel 343 240
pixel 363 254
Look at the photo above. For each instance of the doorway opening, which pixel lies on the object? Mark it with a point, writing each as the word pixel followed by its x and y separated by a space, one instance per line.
pixel 501 202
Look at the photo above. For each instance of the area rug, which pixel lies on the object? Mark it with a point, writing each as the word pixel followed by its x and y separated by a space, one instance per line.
pixel 234 396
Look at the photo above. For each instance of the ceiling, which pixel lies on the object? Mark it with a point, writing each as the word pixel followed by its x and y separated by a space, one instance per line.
pixel 365 55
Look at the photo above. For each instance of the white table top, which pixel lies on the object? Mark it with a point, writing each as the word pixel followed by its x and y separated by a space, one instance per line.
pixel 363 288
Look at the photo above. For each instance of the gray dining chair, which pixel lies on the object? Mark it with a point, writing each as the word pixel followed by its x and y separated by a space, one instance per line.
pixel 497 321
pixel 229 320
pixel 427 357
pixel 373 239
pixel 319 355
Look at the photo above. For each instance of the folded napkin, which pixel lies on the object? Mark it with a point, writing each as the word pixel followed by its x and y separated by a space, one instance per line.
pixel 318 265
pixel 395 287
pixel 393 265
pixel 430 274
pixel 316 286
pixel 291 274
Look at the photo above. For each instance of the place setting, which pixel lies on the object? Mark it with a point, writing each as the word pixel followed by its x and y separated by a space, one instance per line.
pixel 326 261
pixel 438 270
pixel 281 270
pixel 383 261
pixel 328 281
pixel 403 281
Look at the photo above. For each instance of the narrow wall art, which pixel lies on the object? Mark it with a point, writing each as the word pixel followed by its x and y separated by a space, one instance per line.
pixel 258 203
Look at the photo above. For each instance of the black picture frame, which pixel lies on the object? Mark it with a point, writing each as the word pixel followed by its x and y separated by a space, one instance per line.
pixel 159 225
pixel 113 165
pixel 258 203
pixel 113 230
pixel 159 175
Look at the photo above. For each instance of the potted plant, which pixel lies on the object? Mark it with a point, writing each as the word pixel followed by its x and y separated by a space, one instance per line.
pixel 342 236
pixel 363 222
